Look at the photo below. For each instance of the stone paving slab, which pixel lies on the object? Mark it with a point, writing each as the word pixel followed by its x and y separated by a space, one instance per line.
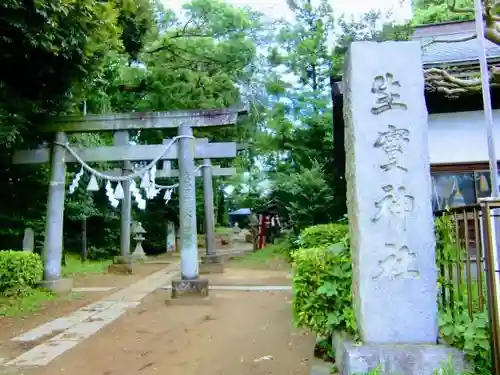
pixel 128 296
pixel 79 332
pixel 43 354
pixel 86 321
pixel 87 328
pixel 157 262
pixel 93 289
pixel 58 324
pixel 319 367
pixel 245 288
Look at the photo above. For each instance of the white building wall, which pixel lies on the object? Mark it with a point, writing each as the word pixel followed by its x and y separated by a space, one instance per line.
pixel 461 137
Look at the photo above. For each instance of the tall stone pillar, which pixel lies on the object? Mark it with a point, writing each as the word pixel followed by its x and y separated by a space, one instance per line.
pixel 189 284
pixel 390 213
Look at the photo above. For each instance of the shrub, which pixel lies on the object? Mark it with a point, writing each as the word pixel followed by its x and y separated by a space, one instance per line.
pixel 471 335
pixel 324 235
pixel 322 281
pixel 98 253
pixel 19 271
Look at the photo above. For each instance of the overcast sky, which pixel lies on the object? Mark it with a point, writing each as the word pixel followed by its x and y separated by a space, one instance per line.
pixel 278 8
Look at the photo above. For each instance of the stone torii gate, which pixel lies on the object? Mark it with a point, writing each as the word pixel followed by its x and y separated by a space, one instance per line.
pixel 185 151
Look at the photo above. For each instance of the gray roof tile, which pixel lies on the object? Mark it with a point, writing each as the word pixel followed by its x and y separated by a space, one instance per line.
pixel 442 53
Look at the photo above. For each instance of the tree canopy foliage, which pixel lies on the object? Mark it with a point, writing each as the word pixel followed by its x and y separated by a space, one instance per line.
pixel 437 11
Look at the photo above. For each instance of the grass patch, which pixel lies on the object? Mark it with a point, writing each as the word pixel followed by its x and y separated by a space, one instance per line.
pixel 25 305
pixel 74 266
pixel 271 256
pixel 31 302
pixel 34 298
pixel 223 230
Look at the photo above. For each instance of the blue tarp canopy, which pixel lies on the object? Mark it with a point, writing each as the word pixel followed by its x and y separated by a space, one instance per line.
pixel 241 211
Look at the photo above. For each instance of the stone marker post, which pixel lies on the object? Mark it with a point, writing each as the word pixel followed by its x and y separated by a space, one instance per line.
pixel 189 284
pixel 29 240
pixel 170 237
pixel 211 263
pixel 390 214
pixel 53 245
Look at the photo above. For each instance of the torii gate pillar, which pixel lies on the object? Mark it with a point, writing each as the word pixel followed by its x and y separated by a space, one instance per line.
pixel 211 262
pixel 189 283
pixel 53 246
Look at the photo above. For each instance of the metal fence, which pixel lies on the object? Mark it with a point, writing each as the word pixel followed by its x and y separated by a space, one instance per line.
pixel 466 239
pixel 460 259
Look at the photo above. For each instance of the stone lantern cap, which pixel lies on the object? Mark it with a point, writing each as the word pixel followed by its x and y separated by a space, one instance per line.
pixel 138 229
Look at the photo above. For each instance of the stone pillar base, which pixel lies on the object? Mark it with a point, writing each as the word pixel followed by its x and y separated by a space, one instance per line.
pixel 197 288
pixel 319 367
pixel 401 359
pixel 212 258
pixel 212 264
pixel 122 265
pixel 121 259
pixel 59 286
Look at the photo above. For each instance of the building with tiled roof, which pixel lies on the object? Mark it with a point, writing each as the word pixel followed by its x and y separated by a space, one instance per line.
pixel 437 54
pixel 457 136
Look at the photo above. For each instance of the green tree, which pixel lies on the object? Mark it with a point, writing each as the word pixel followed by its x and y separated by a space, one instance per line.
pixel 296 141
pixel 136 19
pixel 299 146
pixel 46 48
pixel 437 11
pixel 49 52
pixel 114 56
pixel 308 194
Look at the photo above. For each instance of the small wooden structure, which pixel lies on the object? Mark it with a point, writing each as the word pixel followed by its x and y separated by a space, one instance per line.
pixel 266 212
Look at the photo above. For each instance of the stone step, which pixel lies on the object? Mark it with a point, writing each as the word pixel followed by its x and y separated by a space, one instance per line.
pixel 319 367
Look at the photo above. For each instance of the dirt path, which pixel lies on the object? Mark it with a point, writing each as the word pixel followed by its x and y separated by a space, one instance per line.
pixel 13 326
pixel 239 333
pixel 242 276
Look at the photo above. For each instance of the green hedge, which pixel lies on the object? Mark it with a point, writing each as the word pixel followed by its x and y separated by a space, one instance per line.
pixel 324 235
pixel 322 280
pixel 19 272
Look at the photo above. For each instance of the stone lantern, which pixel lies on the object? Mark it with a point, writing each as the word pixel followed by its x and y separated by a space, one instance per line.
pixel 138 232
